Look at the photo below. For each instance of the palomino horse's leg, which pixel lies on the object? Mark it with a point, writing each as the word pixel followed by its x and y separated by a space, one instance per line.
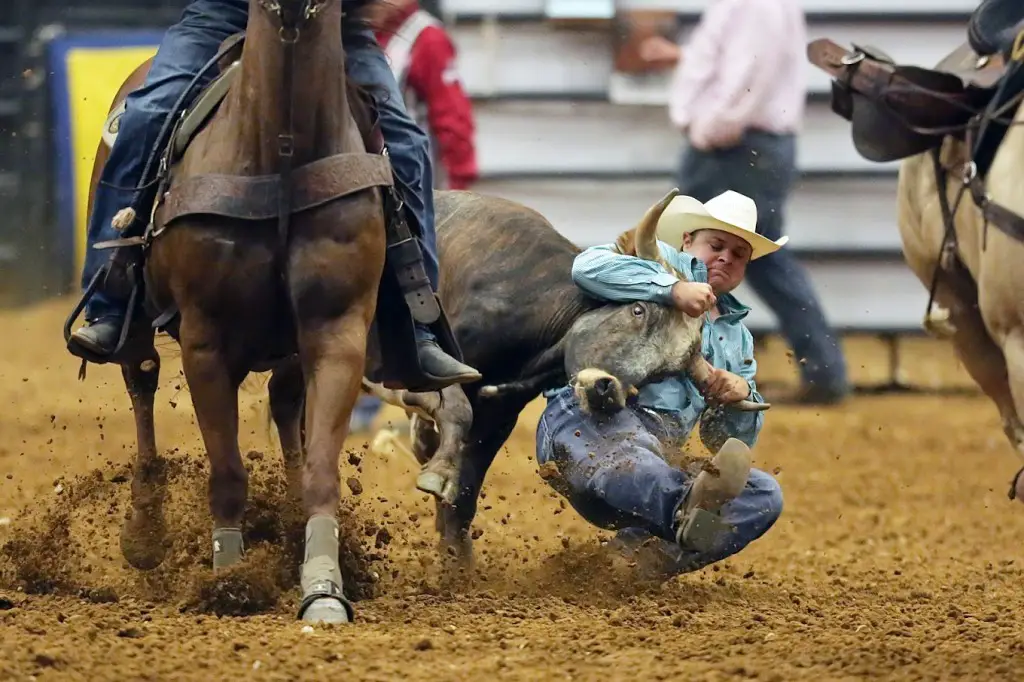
pixel 991 368
pixel 1013 349
pixel 333 354
pixel 214 391
pixel 978 352
pixel 143 532
pixel 286 399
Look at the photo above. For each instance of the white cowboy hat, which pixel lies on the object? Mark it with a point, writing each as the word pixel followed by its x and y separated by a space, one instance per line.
pixel 729 212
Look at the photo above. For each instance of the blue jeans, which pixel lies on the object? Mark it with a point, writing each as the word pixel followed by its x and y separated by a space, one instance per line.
pixel 366 409
pixel 186 48
pixel 612 472
pixel 763 167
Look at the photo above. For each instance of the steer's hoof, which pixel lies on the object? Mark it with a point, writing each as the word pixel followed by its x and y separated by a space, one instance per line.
pixel 443 488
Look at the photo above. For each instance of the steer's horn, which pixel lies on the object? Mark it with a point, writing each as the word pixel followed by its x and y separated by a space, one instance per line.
pixel 700 372
pixel 647 228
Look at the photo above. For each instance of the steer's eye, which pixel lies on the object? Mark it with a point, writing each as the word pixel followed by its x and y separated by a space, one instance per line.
pixel 638 310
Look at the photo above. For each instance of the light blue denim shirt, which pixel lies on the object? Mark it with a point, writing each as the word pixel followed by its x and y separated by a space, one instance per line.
pixel 727 344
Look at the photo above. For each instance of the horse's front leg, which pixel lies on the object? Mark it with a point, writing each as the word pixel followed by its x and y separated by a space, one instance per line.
pixel 213 381
pixel 143 534
pixel 333 353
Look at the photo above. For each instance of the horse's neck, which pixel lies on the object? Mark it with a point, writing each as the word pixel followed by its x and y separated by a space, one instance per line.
pixel 320 117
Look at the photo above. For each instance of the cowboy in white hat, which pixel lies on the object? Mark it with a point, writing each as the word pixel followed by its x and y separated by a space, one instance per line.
pixel 612 470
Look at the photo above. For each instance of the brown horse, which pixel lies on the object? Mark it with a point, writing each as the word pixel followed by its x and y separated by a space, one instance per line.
pixel 282 275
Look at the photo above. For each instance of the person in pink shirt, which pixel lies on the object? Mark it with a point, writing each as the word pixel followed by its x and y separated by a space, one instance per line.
pixel 738 96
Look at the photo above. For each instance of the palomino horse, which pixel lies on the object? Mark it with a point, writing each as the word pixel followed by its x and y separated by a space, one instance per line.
pixel 961 209
pixel 269 242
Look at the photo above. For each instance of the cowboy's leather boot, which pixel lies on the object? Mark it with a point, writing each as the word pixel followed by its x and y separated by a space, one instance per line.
pixel 442 367
pixel 700 524
pixel 99 337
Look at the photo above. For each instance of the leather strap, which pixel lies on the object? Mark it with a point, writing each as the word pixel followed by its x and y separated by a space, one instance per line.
pixel 256 198
pixel 405 259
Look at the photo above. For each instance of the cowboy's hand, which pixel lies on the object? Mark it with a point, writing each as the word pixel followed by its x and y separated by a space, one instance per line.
pixel 724 387
pixel 693 298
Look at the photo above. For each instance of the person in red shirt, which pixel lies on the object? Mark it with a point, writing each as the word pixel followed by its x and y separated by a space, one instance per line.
pixel 422 57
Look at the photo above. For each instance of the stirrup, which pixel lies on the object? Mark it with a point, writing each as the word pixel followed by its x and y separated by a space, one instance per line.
pixel 89 356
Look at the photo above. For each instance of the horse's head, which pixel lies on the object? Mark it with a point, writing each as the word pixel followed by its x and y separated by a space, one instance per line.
pixel 293 15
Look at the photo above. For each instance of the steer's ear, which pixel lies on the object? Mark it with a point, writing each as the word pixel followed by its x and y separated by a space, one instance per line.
pixel 626 243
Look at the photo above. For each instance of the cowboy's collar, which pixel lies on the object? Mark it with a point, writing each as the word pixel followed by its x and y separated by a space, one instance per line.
pixel 731 308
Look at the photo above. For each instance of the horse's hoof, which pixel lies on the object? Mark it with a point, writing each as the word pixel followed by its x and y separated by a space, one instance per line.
pixel 143 541
pixel 325 610
pixel 1018 486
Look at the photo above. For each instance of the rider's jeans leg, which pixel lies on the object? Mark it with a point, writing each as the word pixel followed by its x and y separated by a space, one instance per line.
pixel 186 48
pixel 408 146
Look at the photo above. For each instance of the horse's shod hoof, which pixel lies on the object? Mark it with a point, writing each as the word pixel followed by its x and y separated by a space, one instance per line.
pixel 325 610
pixel 143 541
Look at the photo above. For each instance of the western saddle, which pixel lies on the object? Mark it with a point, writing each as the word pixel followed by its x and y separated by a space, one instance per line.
pixel 898 111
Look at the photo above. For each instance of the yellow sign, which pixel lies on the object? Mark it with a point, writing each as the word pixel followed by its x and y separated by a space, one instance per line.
pixel 87 72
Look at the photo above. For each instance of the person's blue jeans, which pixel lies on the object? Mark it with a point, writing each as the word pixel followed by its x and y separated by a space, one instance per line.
pixel 763 167
pixel 612 472
pixel 365 411
pixel 185 49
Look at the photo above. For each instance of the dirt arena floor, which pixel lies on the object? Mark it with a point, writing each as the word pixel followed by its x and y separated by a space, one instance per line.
pixel 897 557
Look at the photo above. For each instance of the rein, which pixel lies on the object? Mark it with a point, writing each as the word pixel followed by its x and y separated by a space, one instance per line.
pixel 289 29
pixel 972 176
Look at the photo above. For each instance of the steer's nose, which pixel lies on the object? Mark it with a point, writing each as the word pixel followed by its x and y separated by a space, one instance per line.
pixel 604 386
